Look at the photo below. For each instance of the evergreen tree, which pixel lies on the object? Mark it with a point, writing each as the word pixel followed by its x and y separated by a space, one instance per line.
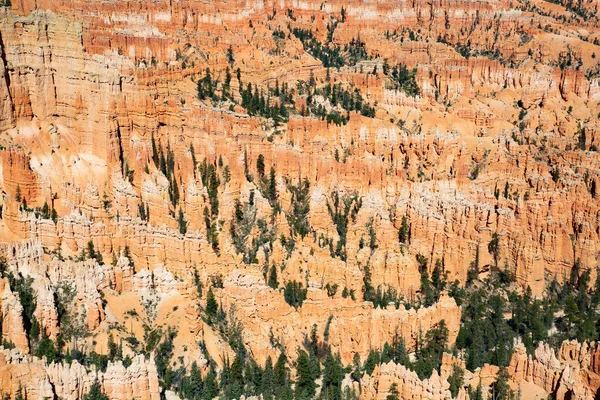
pixel 211 305
pixel 260 166
pixel 283 389
pixel 271 191
pixel 47 349
pixel 332 377
pixel 294 294
pixel 476 394
pixel 476 349
pixel 501 390
pixel 95 393
pixel 182 222
pixel 429 356
pixel 268 380
pixel 192 384
pixel 298 215
pixel 230 56
pixel 281 372
pixel 305 384
pixel 373 359
pixel 233 386
pixel 155 157
pixel 211 387
pixel 142 212
pixel 198 283
pixel 273 277
pixel 428 297
pixel 400 354
pixel 439 276
pixel 113 348
pixel 28 300
pixel 456 380
pixel 394 394
pixel 342 210
pixel 494 248
pixel 45 211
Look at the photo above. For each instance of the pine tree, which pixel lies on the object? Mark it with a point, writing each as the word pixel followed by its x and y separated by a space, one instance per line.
pixel 475 394
pixel 456 380
pixel 211 305
pixel 182 222
pixel 404 231
pixel 394 394
pixel 373 359
pixel 47 349
pixel 95 393
pixel 281 372
pixel 427 292
pixel 298 215
pixel 438 276
pixel 501 389
pixel 494 248
pixel 332 377
pixel 192 385
pixel 273 277
pixel 283 389
pixel 91 253
pixel 476 350
pixel 260 166
pixel 198 283
pixel 400 354
pixel 230 56
pixel 211 387
pixel 142 212
pixel 294 294
pixel 112 348
pixel 305 384
pixel 268 380
pixel 45 211
pixel 226 85
pixel 194 161
pixel 155 158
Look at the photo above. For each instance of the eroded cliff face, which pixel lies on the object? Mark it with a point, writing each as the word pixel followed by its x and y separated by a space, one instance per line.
pixel 569 374
pixel 84 116
pixel 501 142
pixel 353 327
pixel 35 379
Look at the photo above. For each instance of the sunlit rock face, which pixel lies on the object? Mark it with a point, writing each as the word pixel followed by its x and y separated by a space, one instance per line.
pixel 108 207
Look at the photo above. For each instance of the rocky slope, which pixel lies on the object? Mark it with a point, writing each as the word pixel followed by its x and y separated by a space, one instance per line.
pixel 109 206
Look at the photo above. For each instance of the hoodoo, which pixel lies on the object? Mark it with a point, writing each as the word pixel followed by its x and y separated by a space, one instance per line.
pixel 299 200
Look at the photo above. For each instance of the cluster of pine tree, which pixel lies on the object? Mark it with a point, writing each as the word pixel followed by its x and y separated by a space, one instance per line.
pixel 256 103
pixel 207 87
pixel 294 294
pixel 402 78
pixel 330 55
pixel 166 165
pixel 356 51
pixel 565 312
pixel 342 210
pixel 211 181
pixel 428 354
pixel 381 296
pixel 268 185
pixel 344 98
pixel 65 348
